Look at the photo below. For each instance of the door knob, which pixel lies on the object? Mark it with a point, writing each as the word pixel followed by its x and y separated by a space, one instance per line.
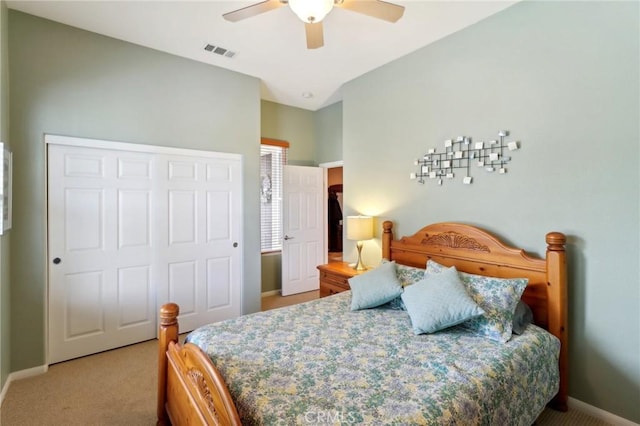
pixel 286 237
pixel 57 260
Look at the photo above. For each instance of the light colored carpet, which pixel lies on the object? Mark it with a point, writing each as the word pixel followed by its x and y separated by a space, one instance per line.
pixel 118 387
pixel 272 302
pixel 111 388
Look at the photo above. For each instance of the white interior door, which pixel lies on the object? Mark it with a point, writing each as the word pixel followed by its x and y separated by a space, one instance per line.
pixel 304 245
pixel 131 230
pixel 100 265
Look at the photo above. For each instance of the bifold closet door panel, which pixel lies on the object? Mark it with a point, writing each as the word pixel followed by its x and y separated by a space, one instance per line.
pixel 101 266
pixel 202 208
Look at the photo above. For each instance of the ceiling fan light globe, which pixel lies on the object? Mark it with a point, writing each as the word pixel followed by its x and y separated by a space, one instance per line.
pixel 311 11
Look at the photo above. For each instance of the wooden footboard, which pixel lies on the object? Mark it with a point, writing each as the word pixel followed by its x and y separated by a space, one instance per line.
pixel 191 390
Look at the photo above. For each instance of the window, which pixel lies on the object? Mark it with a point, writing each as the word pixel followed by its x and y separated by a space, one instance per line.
pixel 273 157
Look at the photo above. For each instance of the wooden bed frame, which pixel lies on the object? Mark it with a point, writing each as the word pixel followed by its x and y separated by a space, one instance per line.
pixel 192 391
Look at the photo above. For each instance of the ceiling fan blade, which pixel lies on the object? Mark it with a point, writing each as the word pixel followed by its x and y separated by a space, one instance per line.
pixel 374 8
pixel 315 35
pixel 253 10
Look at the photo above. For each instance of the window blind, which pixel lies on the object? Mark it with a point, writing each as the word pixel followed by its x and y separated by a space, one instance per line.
pixel 273 157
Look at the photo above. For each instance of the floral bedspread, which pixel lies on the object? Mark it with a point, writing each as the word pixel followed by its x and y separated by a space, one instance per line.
pixel 320 363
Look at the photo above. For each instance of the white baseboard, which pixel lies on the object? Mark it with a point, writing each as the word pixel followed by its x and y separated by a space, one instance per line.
pixel 598 413
pixel 5 389
pixel 29 372
pixel 271 293
pixel 22 374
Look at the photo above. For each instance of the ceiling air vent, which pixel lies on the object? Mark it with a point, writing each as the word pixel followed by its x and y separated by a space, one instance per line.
pixel 219 51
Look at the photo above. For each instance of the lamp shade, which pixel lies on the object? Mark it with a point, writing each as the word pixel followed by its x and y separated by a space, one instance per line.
pixel 359 228
pixel 311 11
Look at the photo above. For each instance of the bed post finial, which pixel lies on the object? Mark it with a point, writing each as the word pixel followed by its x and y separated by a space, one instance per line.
pixel 556 241
pixel 387 236
pixel 557 309
pixel 169 314
pixel 168 333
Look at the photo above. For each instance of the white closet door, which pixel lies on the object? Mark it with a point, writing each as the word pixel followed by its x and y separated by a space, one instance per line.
pixel 130 230
pixel 200 244
pixel 101 268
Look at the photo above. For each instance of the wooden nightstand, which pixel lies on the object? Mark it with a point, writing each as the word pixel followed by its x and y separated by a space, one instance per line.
pixel 334 276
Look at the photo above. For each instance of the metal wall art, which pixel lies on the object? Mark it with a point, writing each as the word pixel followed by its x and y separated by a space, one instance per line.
pixel 461 155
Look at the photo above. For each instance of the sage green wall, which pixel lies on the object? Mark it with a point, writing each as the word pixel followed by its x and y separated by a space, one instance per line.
pixel 5 331
pixel 328 126
pixel 291 124
pixel 271 272
pixel 563 77
pixel 72 82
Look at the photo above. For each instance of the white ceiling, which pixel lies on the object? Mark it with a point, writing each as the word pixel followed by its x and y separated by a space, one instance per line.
pixel 271 46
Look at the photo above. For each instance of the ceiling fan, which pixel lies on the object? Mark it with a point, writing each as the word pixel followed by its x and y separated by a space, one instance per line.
pixel 312 12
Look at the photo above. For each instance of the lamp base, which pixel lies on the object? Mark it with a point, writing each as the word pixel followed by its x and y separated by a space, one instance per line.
pixel 360 266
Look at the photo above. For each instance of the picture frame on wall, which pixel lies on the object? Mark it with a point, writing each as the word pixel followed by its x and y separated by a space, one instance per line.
pixel 6 173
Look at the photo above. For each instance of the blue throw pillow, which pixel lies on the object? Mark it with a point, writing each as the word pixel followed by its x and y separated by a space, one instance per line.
pixel 439 301
pixel 375 288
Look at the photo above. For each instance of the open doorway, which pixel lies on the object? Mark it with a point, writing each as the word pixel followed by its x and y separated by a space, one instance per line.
pixel 334 213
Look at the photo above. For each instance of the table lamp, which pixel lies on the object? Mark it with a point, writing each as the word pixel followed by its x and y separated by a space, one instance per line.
pixel 359 228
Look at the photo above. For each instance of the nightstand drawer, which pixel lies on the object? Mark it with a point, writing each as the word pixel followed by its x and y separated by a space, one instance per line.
pixel 335 280
pixel 327 289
